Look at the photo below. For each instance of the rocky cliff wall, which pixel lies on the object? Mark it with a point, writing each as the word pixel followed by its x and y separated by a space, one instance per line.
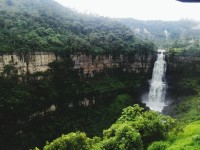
pixel 185 64
pixel 32 62
pixel 38 62
pixel 91 64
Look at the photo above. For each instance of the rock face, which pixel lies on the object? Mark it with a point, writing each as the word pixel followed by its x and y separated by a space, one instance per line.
pixel 38 62
pixel 184 64
pixel 91 64
pixel 32 62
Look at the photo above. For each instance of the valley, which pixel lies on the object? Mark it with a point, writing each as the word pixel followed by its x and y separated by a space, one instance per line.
pixel 76 81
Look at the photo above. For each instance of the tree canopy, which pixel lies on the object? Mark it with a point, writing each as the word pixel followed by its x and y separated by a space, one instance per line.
pixel 134 130
pixel 29 26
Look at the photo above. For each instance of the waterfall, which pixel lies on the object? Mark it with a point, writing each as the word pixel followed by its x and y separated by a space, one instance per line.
pixel 157 91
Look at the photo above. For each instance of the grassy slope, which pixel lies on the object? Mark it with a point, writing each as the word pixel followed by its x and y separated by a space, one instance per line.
pixel 189 139
pixel 187 113
pixel 188 109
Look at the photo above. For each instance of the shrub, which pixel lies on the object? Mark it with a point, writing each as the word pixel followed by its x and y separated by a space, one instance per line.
pixel 72 141
pixel 159 145
pixel 122 137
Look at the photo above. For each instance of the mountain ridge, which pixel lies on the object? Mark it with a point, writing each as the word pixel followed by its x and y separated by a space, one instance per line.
pixel 163 31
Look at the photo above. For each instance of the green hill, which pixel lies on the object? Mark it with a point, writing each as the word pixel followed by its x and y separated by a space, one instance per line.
pixel 44 25
pixel 35 7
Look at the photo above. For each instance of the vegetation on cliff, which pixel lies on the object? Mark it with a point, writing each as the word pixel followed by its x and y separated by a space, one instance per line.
pixel 39 107
pixel 186 110
pixel 187 47
pixel 139 129
pixel 62 99
pixel 79 103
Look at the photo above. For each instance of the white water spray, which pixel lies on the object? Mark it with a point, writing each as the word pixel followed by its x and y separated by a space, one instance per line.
pixel 157 92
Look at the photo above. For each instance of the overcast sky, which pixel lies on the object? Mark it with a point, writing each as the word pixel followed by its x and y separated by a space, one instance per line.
pixel 138 9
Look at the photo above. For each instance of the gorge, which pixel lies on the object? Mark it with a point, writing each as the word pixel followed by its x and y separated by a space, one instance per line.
pixel 74 81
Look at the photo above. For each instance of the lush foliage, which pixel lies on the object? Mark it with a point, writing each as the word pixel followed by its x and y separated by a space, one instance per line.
pixel 56 29
pixel 25 102
pixel 187 111
pixel 139 129
pixel 187 47
pixel 158 145
pixel 71 141
pixel 188 139
pixel 134 130
pixel 56 99
pixel 188 108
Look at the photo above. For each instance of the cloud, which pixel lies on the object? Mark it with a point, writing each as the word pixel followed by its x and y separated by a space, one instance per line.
pixel 138 9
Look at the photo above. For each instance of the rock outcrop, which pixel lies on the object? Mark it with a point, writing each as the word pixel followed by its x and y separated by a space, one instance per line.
pixel 31 62
pixel 38 62
pixel 91 64
pixel 184 64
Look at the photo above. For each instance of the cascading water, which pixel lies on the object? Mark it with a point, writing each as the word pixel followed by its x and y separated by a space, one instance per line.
pixel 157 92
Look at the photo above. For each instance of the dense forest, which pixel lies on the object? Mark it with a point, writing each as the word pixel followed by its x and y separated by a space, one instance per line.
pixel 49 30
pixel 63 108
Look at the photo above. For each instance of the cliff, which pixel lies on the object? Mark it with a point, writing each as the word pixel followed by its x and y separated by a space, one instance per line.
pixel 183 64
pixel 23 63
pixel 91 64
pixel 38 62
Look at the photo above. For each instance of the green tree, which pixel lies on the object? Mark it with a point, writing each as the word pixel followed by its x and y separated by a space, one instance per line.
pixel 122 137
pixel 71 141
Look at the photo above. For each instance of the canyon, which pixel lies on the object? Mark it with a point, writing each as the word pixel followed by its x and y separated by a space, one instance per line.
pixel 89 64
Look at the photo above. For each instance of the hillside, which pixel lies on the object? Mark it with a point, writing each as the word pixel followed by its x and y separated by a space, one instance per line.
pixel 79 102
pixel 74 81
pixel 36 7
pixel 44 25
pixel 164 32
